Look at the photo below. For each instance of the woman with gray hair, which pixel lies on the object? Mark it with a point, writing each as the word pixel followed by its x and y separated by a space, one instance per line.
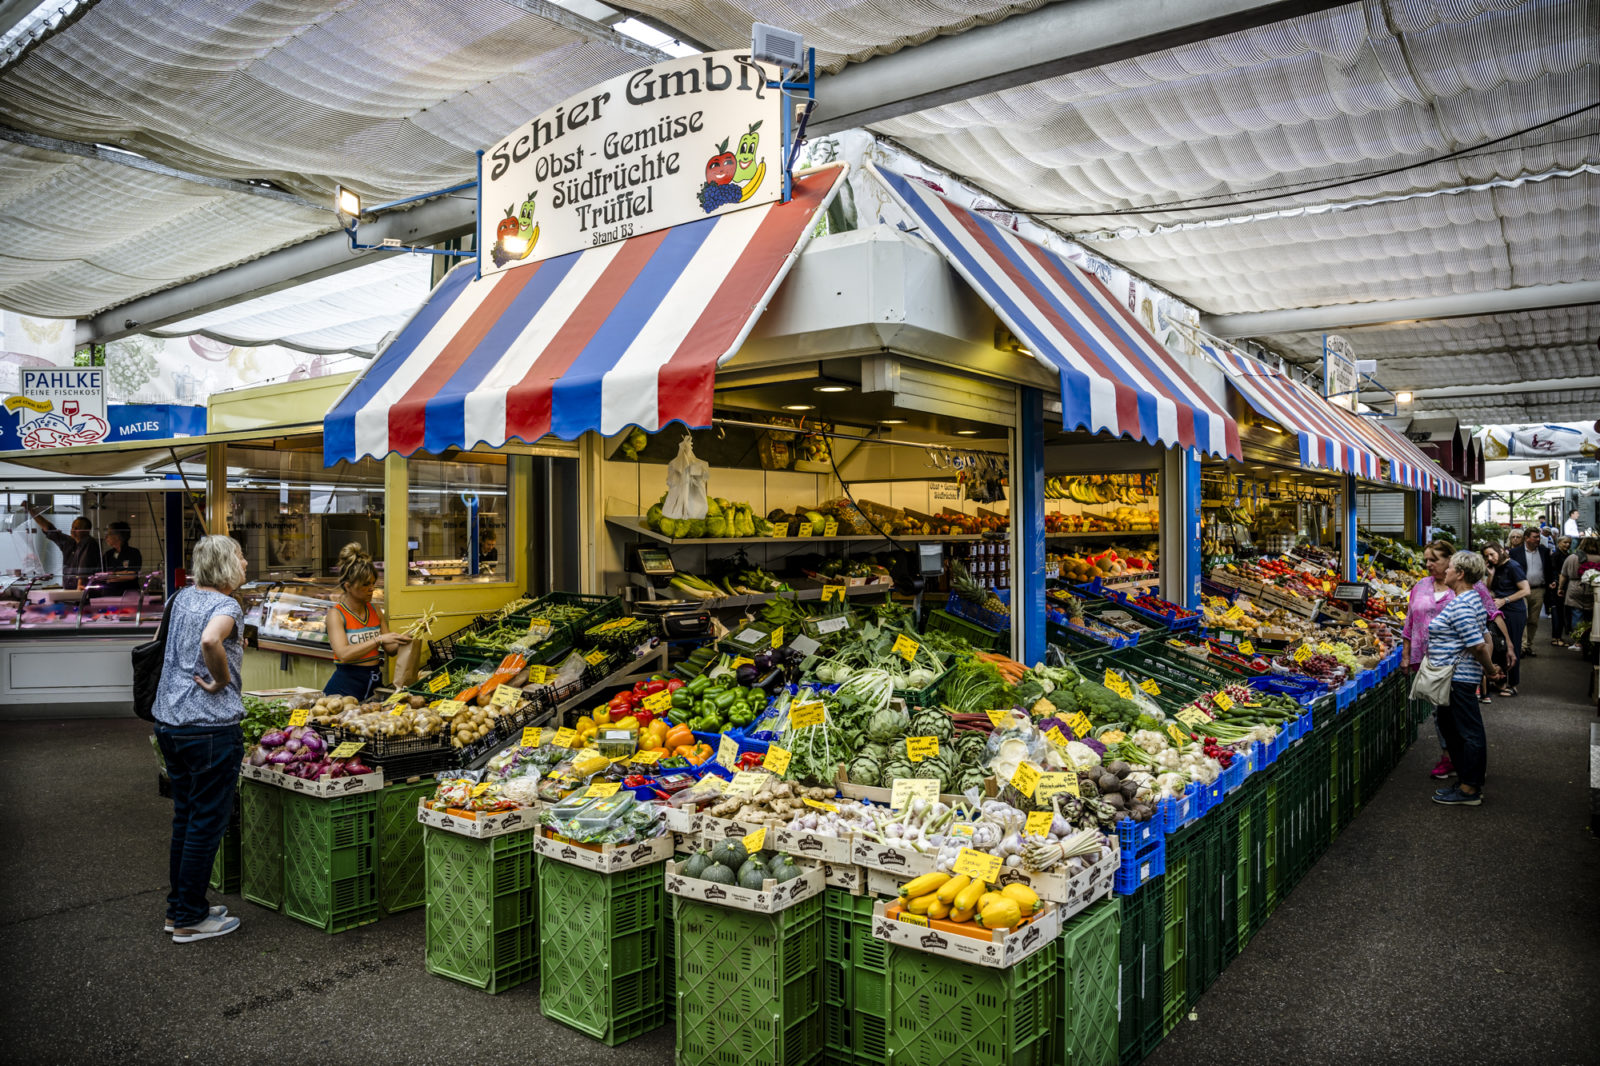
pixel 198 708
pixel 1456 639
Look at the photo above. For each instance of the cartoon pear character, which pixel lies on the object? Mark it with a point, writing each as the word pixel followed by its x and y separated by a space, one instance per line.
pixel 527 228
pixel 749 172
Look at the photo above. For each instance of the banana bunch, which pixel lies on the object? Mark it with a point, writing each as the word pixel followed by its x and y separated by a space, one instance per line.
pixel 960 899
pixel 1095 489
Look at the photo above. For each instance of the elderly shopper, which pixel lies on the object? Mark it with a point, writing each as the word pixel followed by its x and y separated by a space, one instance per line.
pixel 1457 639
pixel 198 710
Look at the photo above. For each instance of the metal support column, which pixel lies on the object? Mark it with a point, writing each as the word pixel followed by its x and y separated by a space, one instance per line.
pixel 1181 563
pixel 1424 517
pixel 1348 564
pixel 1027 528
pixel 217 488
pixel 173 521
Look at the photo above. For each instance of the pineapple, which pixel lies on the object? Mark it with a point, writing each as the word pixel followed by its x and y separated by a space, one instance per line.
pixel 963 584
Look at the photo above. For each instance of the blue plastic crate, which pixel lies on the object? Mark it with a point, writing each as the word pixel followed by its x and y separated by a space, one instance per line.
pixel 1138 869
pixel 1171 621
pixel 1134 837
pixel 1365 680
pixel 1176 812
pixel 745 743
pixel 971 612
pixel 1293 687
pixel 1274 747
pixel 1344 696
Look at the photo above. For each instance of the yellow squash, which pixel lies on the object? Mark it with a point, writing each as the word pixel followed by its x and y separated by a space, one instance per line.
pixel 958 915
pixel 967 898
pixel 938 908
pixel 922 886
pixel 986 899
pixel 921 904
pixel 1003 913
pixel 1027 899
pixel 951 888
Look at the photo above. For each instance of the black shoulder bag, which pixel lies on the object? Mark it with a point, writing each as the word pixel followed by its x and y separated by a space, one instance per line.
pixel 148 659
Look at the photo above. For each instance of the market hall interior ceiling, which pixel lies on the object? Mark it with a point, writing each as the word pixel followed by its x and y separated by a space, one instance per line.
pixel 1422 176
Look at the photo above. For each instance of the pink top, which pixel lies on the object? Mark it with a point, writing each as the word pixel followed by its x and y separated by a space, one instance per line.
pixel 1424 605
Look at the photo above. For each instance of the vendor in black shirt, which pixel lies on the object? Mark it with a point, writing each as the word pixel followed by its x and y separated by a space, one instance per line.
pixel 119 554
pixel 80 552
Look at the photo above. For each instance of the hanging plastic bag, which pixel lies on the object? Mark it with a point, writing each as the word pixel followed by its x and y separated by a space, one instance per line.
pixel 686 485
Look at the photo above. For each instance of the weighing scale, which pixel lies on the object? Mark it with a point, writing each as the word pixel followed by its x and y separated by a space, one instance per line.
pixel 655 564
pixel 679 619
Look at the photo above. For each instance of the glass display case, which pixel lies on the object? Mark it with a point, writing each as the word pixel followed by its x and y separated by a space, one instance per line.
pixel 293 612
pixel 125 602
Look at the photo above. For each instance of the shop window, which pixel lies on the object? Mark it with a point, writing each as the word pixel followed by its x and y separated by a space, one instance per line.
pixel 292 515
pixel 458 509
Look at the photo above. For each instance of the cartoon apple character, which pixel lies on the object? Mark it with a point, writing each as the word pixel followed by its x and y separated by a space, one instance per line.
pixel 509 226
pixel 720 167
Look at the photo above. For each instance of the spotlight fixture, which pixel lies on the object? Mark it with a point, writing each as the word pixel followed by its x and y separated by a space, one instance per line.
pixel 892 421
pixel 347 201
pixel 831 388
pixel 799 407
pixel 966 433
pixel 1403 397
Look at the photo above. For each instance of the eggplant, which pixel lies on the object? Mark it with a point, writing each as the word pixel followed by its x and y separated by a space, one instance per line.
pixel 763 661
pixel 746 674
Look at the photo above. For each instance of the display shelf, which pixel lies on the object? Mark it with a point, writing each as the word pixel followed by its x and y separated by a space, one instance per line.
pixel 877 588
pixel 635 524
pixel 1104 534
pixel 653 661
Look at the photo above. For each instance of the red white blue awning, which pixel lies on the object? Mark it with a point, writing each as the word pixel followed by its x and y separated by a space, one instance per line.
pixel 629 333
pixel 1325 440
pixel 1115 377
pixel 1409 465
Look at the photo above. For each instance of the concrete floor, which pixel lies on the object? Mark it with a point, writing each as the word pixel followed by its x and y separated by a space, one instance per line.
pixel 1426 934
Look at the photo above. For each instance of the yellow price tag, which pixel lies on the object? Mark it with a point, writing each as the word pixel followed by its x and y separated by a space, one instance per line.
pixel 439 682
pixel 1324 647
pixel 998 716
pixel 300 717
pixel 1057 737
pixel 1177 735
pixel 728 752
pixel 1079 723
pixel 977 865
pixel 803 715
pixel 539 674
pixel 776 759
pixel 919 748
pixel 832 592
pixel 748 782
pixel 603 788
pixel 397 709
pixel 1039 823
pixel 1361 623
pixel 804 530
pixel 1112 680
pixel 347 749
pixel 596 657
pixel 830 527
pixel 658 702
pixel 532 736
pixel 777 637
pixel 743 660
pixel 1233 614
pixel 1025 779
pixel 506 696
pixel 1123 689
pixel 1150 687
pixel 649 758
pixel 821 806
pixel 449 708
pixel 914 919
pixel 1052 785
pixel 905 647
pixel 1192 717
pixel 1116 736
pixel 905 789
pixel 780 531
pixel 1247 648
pixel 754 842
pixel 565 737
pixel 1223 700
pixel 1302 653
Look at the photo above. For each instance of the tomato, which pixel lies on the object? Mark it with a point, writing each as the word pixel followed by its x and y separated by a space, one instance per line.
pixel 720 168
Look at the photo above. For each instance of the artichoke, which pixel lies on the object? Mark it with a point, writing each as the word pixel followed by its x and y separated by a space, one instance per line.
pixel 888 724
pixel 931 722
pixel 864 769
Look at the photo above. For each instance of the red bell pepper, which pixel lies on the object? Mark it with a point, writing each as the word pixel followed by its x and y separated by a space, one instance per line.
pixel 674 684
pixel 750 760
pixel 622 701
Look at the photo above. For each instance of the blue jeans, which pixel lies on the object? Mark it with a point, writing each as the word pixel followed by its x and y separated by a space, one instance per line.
pixel 1516 621
pixel 203 763
pixel 1575 617
pixel 1460 723
pixel 351 680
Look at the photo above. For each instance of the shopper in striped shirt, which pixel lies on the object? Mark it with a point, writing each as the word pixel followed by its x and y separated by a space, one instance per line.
pixel 1457 638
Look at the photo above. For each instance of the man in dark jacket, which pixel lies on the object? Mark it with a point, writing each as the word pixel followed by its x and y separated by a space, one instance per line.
pixel 1539 561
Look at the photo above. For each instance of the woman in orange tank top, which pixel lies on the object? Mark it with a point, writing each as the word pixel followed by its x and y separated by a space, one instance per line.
pixel 357 632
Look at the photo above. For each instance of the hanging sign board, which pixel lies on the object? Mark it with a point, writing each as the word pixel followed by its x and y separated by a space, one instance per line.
pixel 1352 591
pixel 60 406
pixel 1340 378
pixel 663 145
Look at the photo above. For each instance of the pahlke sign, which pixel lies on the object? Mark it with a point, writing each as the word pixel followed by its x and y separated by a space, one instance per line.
pixel 663 145
pixel 60 407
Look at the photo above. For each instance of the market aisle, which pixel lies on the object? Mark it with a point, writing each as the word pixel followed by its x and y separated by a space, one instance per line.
pixel 1429 934
pixel 93 978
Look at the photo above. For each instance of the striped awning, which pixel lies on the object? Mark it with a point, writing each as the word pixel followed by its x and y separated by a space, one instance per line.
pixel 628 333
pixel 1325 440
pixel 1408 466
pixel 1115 377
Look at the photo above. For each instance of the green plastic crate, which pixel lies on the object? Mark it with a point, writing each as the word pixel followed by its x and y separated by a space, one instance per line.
pixel 481 916
pixel 1090 952
pixel 855 978
pixel 1264 896
pixel 602 948
pixel 749 985
pixel 330 860
pixel 261 843
pixel 1175 939
pixel 941 621
pixel 1139 971
pixel 401 882
pixel 949 1011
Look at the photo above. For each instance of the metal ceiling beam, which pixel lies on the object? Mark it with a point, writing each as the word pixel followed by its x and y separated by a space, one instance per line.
pixel 1056 39
pixel 428 223
pixel 1487 391
pixel 1456 305
pixel 588 28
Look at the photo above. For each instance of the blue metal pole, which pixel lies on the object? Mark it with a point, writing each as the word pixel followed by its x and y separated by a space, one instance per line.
pixel 1349 554
pixel 1027 523
pixel 472 535
pixel 1193 564
pixel 477 234
pixel 173 520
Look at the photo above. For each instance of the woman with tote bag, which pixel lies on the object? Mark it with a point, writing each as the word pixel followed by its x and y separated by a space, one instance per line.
pixel 1457 656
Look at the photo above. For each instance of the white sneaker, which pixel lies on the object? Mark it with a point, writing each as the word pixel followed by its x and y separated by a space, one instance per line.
pixel 212 926
pixel 219 911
